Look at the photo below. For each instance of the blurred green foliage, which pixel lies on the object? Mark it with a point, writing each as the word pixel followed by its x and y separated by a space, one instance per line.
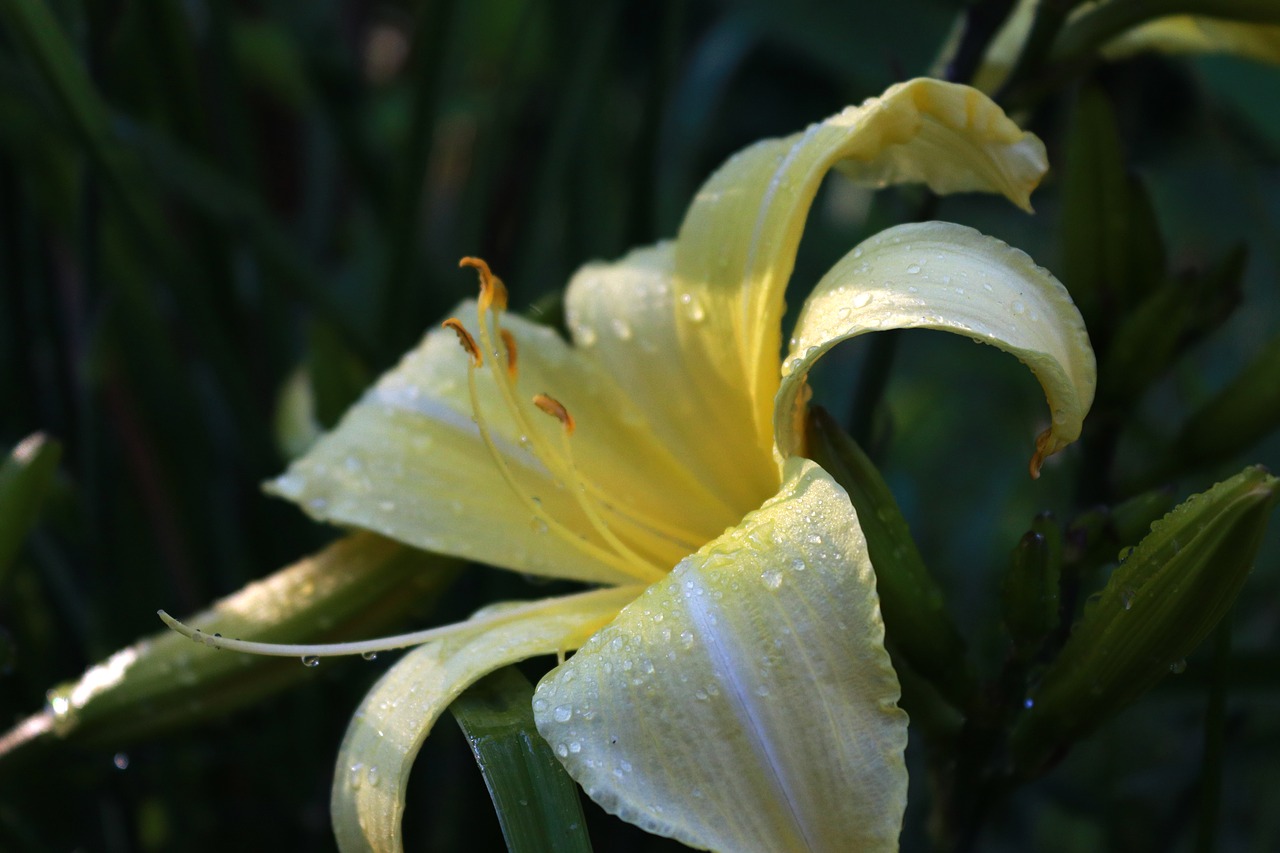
pixel 218 222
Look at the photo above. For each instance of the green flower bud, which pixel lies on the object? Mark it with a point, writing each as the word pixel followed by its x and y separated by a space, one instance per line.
pixel 1030 594
pixel 359 584
pixel 1163 599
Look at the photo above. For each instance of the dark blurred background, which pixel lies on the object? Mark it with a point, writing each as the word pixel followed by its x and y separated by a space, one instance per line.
pixel 255 208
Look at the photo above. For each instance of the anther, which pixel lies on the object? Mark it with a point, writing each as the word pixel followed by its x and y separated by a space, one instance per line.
pixel 493 293
pixel 556 409
pixel 509 341
pixel 464 338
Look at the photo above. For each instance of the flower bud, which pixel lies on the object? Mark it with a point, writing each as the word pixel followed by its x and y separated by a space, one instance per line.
pixel 1159 603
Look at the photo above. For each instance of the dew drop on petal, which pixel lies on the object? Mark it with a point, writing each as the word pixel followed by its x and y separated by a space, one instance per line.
pixel 562 713
pixel 310 660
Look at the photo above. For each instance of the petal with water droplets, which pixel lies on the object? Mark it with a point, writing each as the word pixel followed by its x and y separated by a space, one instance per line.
pixel 746 701
pixel 397 714
pixel 937 275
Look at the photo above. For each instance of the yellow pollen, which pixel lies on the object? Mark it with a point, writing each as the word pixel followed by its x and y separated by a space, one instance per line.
pixel 509 341
pixel 493 293
pixel 556 409
pixel 464 338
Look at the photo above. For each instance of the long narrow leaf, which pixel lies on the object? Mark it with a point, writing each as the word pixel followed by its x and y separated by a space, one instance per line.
pixel 536 801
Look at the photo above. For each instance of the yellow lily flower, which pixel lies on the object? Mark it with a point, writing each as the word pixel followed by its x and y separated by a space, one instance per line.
pixel 730 687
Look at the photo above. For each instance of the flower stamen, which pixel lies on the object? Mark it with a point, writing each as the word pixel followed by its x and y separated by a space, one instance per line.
pixel 556 409
pixel 509 341
pixel 464 338
pixel 560 464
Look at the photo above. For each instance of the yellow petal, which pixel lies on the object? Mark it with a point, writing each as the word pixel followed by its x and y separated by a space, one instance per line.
pixel 398 713
pixel 738 243
pixel 1193 34
pixel 621 314
pixel 408 462
pixel 746 701
pixel 937 275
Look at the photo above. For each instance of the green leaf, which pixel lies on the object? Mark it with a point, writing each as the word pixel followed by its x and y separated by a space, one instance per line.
pixel 1158 605
pixel 917 623
pixel 25 478
pixel 536 801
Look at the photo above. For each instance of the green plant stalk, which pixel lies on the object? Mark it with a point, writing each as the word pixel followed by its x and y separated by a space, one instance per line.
pixel 915 614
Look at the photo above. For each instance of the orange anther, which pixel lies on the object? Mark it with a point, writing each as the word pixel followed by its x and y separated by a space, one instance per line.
pixel 509 341
pixel 493 293
pixel 556 409
pixel 464 338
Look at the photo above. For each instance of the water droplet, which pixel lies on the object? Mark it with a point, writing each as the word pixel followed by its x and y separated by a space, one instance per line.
pixel 310 660
pixel 1126 599
pixel 799 565
pixel 121 761
pixel 537 525
pixel 857 253
pixel 369 655
pixel 693 308
pixel 686 637
pixel 914 269
pixel 575 747
pixel 772 578
pixel 815 539
pixel 844 312
pixel 586 336
pixel 562 713
pixel 562 750
pixel 371 776
pixel 1018 308
pixel 862 300
pixel 1178 667
pixel 621 328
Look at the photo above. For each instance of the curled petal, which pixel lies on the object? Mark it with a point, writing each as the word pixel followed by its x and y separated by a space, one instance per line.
pixel 398 713
pixel 737 246
pixel 746 701
pixel 937 275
